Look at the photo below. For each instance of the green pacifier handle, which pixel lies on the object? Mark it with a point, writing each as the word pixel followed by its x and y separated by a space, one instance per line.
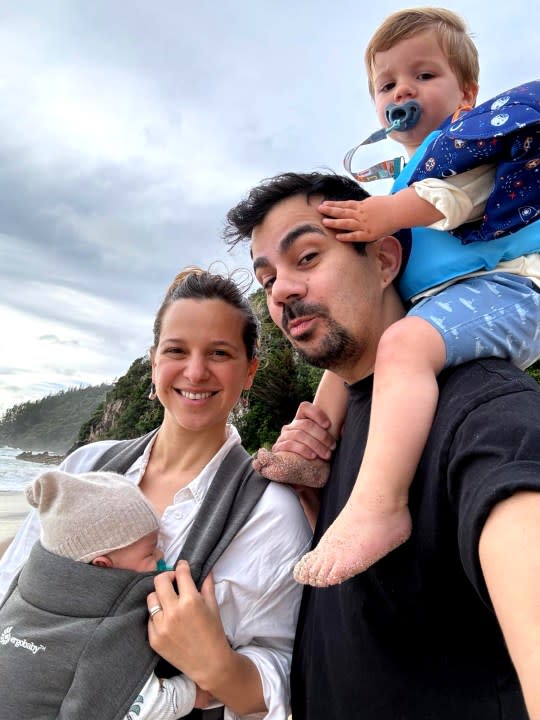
pixel 162 566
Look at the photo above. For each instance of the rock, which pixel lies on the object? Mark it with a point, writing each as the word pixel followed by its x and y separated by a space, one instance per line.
pixel 44 458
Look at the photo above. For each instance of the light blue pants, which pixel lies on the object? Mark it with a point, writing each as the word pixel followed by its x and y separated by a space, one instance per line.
pixel 493 315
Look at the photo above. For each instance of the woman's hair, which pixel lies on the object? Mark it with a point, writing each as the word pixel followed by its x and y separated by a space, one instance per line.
pixel 451 32
pixel 193 283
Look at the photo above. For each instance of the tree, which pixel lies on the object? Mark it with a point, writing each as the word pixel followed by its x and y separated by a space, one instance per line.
pixel 51 423
pixel 534 371
pixel 127 412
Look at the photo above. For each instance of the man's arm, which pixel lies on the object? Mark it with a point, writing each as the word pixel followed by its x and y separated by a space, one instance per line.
pixel 307 435
pixel 510 560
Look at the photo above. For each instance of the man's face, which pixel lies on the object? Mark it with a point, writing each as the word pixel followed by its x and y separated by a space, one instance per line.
pixel 323 295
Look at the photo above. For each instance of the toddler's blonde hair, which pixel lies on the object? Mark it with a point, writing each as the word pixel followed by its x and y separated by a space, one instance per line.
pixel 451 32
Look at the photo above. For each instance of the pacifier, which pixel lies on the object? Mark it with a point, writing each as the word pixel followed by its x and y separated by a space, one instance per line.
pixel 402 117
pixel 161 566
pixel 399 118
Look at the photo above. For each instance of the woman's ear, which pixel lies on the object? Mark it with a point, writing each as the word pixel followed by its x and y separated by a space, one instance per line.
pixel 102 561
pixel 252 369
pixel 152 358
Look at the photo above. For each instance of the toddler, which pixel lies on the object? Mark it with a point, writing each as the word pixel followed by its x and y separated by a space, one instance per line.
pixel 474 292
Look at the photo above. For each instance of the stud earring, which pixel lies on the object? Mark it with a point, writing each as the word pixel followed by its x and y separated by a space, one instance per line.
pixel 152 395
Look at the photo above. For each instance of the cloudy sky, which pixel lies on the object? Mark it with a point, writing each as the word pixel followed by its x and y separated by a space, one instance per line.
pixel 129 127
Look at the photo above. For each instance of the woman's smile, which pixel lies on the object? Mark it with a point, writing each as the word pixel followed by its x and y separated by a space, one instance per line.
pixel 191 395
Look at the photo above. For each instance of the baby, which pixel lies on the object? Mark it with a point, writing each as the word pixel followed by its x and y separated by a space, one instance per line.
pixel 103 521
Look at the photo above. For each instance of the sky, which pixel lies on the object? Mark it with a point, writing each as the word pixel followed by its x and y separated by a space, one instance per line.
pixel 129 128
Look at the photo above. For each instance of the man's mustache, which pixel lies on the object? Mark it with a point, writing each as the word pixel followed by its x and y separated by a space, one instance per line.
pixel 297 309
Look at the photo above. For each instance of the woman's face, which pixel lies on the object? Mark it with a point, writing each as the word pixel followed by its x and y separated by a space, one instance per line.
pixel 200 364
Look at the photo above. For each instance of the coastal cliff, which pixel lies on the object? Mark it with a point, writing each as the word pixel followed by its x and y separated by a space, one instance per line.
pixel 126 411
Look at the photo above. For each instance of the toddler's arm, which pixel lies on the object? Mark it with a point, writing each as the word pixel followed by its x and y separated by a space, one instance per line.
pixel 443 204
pixel 378 216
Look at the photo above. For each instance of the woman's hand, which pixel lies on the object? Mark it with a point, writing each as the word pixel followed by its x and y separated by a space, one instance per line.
pixel 309 500
pixel 188 632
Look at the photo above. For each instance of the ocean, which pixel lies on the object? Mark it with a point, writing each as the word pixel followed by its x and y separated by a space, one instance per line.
pixel 16 474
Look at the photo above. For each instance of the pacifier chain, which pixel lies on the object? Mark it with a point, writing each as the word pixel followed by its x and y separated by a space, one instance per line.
pixel 401 117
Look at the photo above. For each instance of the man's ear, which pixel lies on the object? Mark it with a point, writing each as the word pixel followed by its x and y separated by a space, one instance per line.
pixel 102 561
pixel 388 254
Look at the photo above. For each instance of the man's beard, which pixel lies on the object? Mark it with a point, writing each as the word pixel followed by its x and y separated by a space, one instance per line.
pixel 336 349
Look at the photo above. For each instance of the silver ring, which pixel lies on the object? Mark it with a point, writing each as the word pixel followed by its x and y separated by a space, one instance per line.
pixel 154 609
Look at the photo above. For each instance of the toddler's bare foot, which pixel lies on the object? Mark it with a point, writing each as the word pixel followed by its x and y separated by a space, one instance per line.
pixel 356 539
pixel 292 469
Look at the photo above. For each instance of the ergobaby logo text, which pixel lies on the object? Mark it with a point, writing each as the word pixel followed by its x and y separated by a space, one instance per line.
pixel 6 637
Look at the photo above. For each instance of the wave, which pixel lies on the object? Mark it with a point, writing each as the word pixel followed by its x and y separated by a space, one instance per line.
pixel 15 474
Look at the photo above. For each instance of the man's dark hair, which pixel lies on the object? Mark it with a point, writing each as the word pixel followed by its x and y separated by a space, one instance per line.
pixel 250 212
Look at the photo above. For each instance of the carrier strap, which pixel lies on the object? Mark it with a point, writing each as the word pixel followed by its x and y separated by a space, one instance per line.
pixel 232 495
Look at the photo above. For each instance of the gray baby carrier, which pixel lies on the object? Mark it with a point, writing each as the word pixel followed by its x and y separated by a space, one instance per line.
pixel 73 637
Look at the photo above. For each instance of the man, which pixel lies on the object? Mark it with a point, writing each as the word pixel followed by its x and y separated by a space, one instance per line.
pixel 424 632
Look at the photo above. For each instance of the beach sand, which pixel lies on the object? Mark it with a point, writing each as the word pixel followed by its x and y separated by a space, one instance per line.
pixel 13 510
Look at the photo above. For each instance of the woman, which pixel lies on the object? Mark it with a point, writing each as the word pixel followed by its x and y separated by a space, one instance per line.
pixel 237 643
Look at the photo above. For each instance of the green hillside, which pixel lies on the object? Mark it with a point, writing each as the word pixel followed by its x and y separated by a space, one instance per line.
pixel 126 411
pixel 51 423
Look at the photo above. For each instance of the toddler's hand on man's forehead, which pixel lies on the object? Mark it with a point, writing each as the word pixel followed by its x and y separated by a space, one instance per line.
pixel 358 220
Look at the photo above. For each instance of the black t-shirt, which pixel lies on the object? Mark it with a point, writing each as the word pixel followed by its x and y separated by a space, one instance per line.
pixel 415 637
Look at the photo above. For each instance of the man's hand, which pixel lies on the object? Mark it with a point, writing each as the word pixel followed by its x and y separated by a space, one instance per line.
pixel 307 435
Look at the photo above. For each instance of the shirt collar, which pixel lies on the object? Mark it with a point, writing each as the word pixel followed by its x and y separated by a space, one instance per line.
pixel 200 484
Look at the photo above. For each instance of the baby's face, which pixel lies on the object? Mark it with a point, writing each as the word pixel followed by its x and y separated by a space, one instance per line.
pixel 141 556
pixel 417 69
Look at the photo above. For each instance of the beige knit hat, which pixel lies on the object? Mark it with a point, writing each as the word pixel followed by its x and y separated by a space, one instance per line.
pixel 89 514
